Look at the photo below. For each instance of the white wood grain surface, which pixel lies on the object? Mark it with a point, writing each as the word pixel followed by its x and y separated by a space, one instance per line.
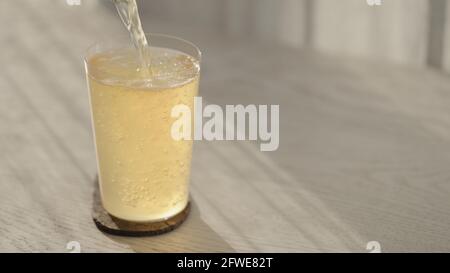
pixel 364 151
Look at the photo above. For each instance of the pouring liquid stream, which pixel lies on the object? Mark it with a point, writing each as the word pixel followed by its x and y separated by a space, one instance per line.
pixel 128 12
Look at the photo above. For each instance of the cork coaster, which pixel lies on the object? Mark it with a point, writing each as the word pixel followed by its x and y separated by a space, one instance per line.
pixel 115 226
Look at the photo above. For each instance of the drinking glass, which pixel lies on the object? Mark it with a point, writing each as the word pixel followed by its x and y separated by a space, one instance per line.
pixel 143 172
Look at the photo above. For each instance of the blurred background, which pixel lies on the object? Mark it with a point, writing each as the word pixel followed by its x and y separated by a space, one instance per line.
pixel 415 32
pixel 364 95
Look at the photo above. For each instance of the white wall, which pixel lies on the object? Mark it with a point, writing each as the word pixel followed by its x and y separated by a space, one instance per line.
pixel 446 62
pixel 396 31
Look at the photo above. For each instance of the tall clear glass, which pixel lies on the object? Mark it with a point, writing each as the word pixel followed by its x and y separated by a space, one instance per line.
pixel 143 172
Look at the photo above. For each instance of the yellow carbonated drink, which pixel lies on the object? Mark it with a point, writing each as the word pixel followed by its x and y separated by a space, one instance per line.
pixel 143 172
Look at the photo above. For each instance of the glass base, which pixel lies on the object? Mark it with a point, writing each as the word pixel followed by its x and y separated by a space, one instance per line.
pixel 115 226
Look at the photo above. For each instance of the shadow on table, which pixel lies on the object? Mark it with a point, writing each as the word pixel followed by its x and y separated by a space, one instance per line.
pixel 194 235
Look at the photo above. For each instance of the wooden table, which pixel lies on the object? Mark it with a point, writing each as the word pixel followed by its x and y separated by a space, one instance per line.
pixel 364 152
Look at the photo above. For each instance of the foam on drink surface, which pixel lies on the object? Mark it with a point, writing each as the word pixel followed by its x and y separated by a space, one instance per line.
pixel 169 68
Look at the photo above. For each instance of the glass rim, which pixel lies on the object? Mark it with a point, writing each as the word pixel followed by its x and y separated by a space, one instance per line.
pixel 149 34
